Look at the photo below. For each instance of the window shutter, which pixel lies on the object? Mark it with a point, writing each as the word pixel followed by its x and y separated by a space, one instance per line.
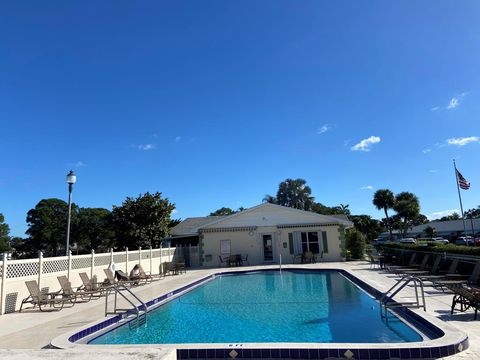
pixel 324 242
pixel 297 242
pixel 290 243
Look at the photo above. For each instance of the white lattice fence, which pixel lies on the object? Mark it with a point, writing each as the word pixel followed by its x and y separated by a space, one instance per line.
pixel 14 273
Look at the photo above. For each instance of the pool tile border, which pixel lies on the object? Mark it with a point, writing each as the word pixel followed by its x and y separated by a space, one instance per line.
pixel 328 352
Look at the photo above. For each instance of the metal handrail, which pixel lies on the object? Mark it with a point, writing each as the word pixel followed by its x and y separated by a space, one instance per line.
pixel 117 288
pixel 397 287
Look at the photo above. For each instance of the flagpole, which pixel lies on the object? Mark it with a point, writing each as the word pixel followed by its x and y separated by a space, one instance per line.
pixel 460 198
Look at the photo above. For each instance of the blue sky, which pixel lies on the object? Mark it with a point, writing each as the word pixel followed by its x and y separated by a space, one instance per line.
pixel 213 103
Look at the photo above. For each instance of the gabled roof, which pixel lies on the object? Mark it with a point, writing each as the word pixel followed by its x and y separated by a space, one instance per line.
pixel 189 226
pixel 267 214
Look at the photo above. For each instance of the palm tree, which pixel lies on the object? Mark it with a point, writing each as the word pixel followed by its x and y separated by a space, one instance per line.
pixel 407 207
pixel 384 199
pixel 270 199
pixel 429 231
pixel 295 194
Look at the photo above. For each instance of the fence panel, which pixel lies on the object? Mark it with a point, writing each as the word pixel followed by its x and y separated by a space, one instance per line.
pixel 12 283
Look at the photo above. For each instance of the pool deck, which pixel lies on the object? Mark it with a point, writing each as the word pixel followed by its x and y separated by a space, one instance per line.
pixel 31 330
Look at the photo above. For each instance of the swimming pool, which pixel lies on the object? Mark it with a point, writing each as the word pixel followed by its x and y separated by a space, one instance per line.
pixel 219 305
pixel 286 307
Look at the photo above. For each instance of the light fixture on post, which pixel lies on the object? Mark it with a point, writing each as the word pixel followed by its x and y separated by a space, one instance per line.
pixel 71 179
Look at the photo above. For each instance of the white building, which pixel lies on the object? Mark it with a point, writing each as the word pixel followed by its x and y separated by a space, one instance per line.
pixel 263 233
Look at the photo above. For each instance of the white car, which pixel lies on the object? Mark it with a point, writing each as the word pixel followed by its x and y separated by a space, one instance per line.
pixel 441 240
pixel 407 241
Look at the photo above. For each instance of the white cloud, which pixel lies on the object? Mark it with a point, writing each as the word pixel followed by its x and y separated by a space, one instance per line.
pixel 435 108
pixel 146 147
pixel 368 187
pixel 174 211
pixel 433 171
pixel 178 138
pixel 463 141
pixel 454 102
pixel 365 144
pixel 440 214
pixel 426 151
pixel 346 142
pixel 80 164
pixel 323 129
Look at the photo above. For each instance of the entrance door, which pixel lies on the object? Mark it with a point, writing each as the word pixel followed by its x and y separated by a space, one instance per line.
pixel 267 247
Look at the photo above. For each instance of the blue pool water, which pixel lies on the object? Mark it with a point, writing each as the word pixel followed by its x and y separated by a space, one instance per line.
pixel 268 307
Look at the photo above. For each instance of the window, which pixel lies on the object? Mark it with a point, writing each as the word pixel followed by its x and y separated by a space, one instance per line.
pixel 310 241
pixel 225 247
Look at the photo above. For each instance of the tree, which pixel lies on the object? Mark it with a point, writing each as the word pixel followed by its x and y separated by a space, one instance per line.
pixel 420 220
pixel 341 209
pixel 47 227
pixel 224 211
pixel 384 199
pixel 18 246
pixel 95 230
pixel 4 237
pixel 407 207
pixel 429 231
pixel 293 193
pixel 270 199
pixel 453 216
pixel 319 208
pixel 369 227
pixel 355 244
pixel 472 213
pixel 142 221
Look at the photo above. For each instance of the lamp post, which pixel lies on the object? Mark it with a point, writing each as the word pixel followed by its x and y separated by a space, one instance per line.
pixel 71 178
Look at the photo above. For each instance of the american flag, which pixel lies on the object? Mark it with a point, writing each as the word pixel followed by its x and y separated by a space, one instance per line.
pixel 462 182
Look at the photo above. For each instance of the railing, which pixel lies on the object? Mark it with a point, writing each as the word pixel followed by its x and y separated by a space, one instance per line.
pixel 14 273
pixel 387 302
pixel 141 311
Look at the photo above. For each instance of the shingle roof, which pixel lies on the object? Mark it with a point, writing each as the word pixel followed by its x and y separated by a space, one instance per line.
pixel 189 225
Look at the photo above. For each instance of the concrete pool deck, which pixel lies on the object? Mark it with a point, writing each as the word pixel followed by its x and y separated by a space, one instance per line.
pixel 30 331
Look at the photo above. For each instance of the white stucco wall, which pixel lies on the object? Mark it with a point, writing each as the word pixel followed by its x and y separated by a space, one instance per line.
pixel 251 243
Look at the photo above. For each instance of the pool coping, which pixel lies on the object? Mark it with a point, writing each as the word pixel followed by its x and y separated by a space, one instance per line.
pixel 452 341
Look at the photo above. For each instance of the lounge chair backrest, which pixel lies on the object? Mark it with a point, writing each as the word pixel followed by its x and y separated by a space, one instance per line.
pixel 33 289
pixel 436 263
pixel 412 259
pixel 85 279
pixel 110 275
pixel 123 275
pixel 142 272
pixel 167 267
pixel 65 284
pixel 453 266
pixel 425 259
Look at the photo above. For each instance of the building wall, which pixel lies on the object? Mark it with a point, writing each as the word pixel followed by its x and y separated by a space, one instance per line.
pixel 251 243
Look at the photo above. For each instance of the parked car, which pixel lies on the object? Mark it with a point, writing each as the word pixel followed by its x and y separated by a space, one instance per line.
pixel 441 240
pixel 407 241
pixel 464 240
pixel 477 241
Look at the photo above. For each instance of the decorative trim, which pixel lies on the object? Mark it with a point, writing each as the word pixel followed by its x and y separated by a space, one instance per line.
pixel 291 226
pixel 229 229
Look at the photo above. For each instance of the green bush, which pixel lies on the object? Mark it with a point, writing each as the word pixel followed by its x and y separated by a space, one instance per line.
pixel 435 247
pixel 355 244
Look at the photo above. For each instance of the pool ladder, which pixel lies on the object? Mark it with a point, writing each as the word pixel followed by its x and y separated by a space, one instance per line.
pixel 140 310
pixel 387 302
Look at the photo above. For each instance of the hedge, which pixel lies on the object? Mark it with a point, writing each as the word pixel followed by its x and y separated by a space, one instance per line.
pixel 435 247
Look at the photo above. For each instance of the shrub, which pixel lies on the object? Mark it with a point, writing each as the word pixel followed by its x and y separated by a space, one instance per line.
pixel 435 247
pixel 355 244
